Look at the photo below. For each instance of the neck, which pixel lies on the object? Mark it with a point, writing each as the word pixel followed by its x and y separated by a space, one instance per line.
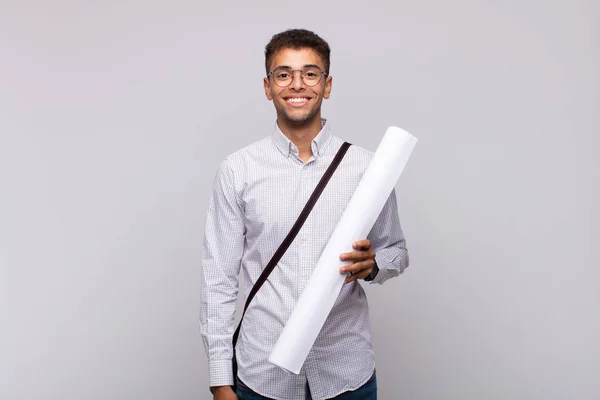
pixel 301 135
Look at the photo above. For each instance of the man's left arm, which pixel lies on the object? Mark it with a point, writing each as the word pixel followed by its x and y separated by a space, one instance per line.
pixel 383 254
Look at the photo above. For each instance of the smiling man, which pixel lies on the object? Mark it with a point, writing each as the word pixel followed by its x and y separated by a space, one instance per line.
pixel 258 193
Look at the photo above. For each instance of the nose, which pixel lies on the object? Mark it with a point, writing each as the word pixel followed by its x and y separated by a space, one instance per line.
pixel 297 82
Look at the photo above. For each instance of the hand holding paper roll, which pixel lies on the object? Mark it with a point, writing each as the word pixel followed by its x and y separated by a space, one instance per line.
pixel 363 259
pixel 317 299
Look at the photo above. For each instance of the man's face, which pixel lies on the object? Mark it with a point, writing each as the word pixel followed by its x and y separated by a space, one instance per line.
pixel 298 103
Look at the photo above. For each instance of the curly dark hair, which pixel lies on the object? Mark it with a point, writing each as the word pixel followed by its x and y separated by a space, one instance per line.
pixel 297 39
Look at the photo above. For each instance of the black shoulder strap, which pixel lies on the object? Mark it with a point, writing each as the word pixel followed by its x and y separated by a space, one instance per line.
pixel 294 231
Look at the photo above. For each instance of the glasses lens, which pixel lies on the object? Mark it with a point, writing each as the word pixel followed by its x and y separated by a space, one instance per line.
pixel 311 76
pixel 284 76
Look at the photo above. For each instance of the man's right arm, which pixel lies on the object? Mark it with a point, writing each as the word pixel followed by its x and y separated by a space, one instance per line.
pixel 222 251
pixel 224 393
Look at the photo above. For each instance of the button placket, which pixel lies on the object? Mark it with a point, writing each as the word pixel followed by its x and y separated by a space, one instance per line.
pixel 302 237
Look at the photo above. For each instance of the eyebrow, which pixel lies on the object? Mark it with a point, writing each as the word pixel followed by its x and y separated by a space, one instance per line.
pixel 288 67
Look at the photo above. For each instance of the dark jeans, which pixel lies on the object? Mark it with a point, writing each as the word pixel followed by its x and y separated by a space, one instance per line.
pixel 368 391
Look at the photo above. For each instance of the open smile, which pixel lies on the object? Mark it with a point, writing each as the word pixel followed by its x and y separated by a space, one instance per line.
pixel 297 101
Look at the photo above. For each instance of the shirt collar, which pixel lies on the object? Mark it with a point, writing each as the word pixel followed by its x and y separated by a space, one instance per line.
pixel 286 146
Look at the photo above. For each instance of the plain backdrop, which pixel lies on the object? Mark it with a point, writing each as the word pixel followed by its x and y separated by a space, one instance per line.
pixel 114 116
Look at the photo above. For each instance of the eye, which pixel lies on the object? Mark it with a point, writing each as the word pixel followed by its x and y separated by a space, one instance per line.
pixel 282 75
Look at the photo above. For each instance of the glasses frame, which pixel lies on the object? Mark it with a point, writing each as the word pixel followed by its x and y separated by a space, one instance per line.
pixel 301 77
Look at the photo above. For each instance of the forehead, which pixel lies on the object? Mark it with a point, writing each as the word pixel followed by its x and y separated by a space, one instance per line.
pixel 296 58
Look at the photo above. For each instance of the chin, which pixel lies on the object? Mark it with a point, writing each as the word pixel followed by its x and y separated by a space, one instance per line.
pixel 300 119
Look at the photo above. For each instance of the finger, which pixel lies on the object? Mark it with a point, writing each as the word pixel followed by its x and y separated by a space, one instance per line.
pixel 357 267
pixel 363 244
pixel 357 255
pixel 358 275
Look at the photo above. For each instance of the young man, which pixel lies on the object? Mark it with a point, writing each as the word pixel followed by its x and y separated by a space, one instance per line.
pixel 258 193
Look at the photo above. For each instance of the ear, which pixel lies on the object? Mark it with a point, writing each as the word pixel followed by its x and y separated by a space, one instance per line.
pixel 328 84
pixel 267 88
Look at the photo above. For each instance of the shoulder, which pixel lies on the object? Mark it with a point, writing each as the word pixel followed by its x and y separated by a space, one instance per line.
pixel 235 166
pixel 244 155
pixel 360 151
pixel 356 152
pixel 249 151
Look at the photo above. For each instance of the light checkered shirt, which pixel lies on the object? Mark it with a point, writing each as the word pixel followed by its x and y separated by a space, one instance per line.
pixel 258 193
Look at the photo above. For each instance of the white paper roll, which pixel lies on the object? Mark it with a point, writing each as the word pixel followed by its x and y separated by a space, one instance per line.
pixel 325 283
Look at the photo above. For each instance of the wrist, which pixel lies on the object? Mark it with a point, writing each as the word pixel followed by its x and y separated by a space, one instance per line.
pixel 373 274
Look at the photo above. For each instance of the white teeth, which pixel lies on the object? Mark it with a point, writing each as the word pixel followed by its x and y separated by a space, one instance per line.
pixel 297 100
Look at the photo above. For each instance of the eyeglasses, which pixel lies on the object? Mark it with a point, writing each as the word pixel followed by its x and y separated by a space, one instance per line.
pixel 283 76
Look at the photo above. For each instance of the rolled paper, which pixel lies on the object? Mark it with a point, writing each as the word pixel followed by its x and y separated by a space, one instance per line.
pixel 359 216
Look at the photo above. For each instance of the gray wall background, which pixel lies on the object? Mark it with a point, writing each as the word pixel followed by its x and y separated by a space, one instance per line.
pixel 114 116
